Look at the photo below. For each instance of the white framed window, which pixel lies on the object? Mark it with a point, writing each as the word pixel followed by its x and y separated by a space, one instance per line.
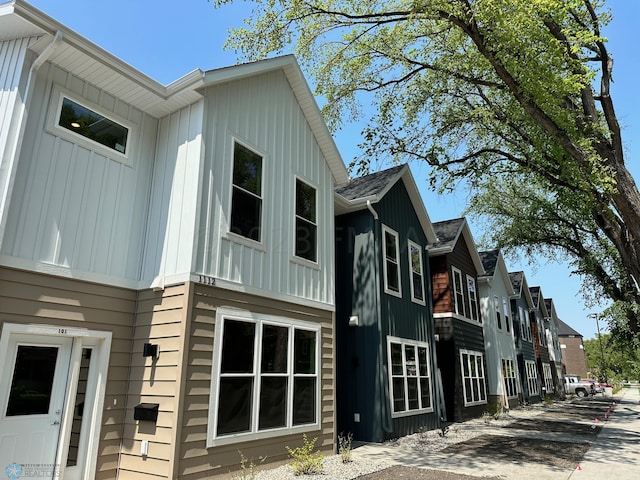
pixel 246 194
pixel 306 242
pixel 473 299
pixel 409 377
pixel 473 379
pixel 509 377
pixel 496 304
pixel 458 292
pixel 532 377
pixel 528 320
pixel 85 123
pixel 265 377
pixel 548 379
pixel 505 309
pixel 417 276
pixel 391 265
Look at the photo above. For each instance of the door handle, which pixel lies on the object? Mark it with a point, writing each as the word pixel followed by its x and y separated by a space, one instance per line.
pixel 56 422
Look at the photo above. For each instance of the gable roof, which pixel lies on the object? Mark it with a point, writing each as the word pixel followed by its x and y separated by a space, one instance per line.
pixel 448 233
pixel 565 330
pixel 536 296
pixel 520 287
pixel 54 42
pixel 369 189
pixel 492 261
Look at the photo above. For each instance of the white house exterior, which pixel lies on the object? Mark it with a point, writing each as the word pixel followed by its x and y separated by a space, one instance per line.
pixel 496 290
pixel 195 217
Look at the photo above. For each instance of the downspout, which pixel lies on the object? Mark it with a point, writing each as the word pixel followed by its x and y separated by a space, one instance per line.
pixel 21 122
pixel 383 377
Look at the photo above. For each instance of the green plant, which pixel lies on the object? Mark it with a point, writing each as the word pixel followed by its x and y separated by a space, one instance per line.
pixel 247 472
pixel 344 447
pixel 305 461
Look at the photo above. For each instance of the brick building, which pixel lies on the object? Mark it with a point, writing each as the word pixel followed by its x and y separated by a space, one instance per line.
pixel 573 357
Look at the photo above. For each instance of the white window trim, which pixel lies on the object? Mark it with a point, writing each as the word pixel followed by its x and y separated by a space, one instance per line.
pixel 415 343
pixel 548 378
pixel 223 314
pixel 53 116
pixel 294 257
pixel 532 381
pixel 474 299
pixel 228 234
pixel 393 233
pixel 457 307
pixel 464 387
pixel 511 364
pixel 419 250
pixel 507 314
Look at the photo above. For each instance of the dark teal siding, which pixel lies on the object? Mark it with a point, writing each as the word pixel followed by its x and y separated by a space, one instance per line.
pixel 362 385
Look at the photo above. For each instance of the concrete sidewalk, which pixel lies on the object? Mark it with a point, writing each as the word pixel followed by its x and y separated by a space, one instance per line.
pixel 614 453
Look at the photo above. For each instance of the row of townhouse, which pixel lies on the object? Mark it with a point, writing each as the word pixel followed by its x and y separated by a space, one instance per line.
pixel 186 271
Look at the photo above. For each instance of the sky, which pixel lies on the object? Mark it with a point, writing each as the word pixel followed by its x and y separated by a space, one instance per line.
pixel 168 39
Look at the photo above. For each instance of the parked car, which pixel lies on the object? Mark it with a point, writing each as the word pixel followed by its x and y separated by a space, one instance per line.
pixel 599 387
pixel 574 384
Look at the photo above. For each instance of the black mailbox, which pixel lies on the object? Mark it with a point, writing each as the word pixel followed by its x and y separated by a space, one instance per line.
pixel 146 411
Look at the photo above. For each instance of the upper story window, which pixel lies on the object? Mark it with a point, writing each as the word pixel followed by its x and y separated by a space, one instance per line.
pixel 91 126
pixel 473 298
pixel 458 294
pixel 417 277
pixel 306 222
pixel 496 304
pixel 505 308
pixel 84 121
pixel 246 200
pixel 391 266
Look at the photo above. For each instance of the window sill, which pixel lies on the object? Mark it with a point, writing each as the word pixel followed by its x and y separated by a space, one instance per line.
pixel 247 242
pixel 248 437
pixel 305 263
pixel 411 413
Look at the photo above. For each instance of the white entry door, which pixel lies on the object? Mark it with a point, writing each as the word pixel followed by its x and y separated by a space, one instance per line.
pixel 33 385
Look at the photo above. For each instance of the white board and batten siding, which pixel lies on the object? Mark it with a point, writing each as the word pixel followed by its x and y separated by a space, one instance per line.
pixel 174 203
pixel 262 113
pixel 74 206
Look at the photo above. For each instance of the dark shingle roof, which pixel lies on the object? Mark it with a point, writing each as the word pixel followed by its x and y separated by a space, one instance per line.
pixel 516 280
pixel 565 330
pixel 369 185
pixel 547 303
pixel 535 296
pixel 447 232
pixel 489 261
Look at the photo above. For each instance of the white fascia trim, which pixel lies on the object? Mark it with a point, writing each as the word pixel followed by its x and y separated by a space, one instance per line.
pixel 458 317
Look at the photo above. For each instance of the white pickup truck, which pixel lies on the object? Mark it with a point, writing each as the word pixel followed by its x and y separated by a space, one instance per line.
pixel 574 384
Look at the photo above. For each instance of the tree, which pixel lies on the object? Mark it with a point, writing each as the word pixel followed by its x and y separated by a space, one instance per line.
pixel 493 93
pixel 620 361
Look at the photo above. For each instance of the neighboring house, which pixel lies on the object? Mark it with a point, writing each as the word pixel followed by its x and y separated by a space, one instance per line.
pixel 574 359
pixel 521 306
pixel 540 321
pixel 166 253
pixel 495 291
pixel 553 344
pixel 460 346
pixel 385 372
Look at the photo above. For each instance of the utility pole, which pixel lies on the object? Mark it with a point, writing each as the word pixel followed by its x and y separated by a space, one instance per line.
pixel 602 362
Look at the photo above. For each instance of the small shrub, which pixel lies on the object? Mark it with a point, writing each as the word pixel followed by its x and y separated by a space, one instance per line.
pixel 305 461
pixel 344 447
pixel 247 472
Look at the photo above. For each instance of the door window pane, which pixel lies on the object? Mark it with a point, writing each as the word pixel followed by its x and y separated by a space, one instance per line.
pixel 30 392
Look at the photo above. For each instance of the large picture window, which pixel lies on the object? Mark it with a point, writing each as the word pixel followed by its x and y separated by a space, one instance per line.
pixel 246 200
pixel 306 223
pixel 509 377
pixel 473 379
pixel 417 277
pixel 391 265
pixel 265 375
pixel 410 378
pixel 458 291
pixel 532 377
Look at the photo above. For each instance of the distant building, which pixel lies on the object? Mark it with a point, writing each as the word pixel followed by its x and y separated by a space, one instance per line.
pixel 573 357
